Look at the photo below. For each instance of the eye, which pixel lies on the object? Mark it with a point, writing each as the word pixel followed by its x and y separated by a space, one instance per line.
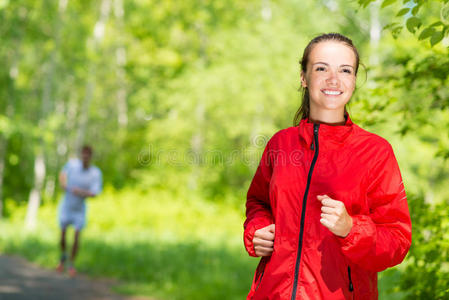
pixel 320 69
pixel 346 70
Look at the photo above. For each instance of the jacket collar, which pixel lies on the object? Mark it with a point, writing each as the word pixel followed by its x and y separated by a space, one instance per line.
pixel 327 133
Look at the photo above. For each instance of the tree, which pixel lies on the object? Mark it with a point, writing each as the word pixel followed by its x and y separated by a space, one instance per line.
pixel 425 19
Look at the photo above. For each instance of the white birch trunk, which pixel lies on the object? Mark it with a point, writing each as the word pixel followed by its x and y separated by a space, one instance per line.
pixel 197 140
pixel 98 35
pixel 374 32
pixel 83 118
pixel 122 106
pixel 34 199
pixel 35 195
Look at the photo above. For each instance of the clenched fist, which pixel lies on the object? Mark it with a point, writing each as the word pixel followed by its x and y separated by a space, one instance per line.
pixel 264 240
pixel 334 216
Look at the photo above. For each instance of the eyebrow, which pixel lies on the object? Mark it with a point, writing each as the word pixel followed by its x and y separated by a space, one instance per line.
pixel 323 63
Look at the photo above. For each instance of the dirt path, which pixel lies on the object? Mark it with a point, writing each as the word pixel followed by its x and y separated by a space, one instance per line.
pixel 20 279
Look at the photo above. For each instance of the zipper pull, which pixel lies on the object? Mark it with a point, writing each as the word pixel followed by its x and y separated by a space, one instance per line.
pixel 315 136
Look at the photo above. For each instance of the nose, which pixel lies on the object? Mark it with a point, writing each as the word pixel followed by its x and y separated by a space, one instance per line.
pixel 332 77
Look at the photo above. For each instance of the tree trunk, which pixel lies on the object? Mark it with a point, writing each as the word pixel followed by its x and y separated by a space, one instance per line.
pixel 35 195
pixel 374 33
pixel 197 140
pixel 98 35
pixel 122 106
pixel 265 11
pixel 83 119
pixel 34 199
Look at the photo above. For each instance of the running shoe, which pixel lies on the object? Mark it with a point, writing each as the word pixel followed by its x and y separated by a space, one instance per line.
pixel 60 267
pixel 72 271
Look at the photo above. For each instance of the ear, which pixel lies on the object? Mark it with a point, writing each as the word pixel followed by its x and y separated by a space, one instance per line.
pixel 303 80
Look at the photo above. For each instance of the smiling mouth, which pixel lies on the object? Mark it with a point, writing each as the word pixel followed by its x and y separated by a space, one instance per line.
pixel 331 93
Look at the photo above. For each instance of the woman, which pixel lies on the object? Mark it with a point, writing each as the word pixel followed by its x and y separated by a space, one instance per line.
pixel 326 209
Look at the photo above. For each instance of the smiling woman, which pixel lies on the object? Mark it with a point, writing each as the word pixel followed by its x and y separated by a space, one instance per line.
pixel 325 226
pixel 330 80
pixel 330 69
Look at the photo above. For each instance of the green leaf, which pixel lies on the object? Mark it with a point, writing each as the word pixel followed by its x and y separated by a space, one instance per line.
pixel 426 33
pixel 365 3
pixel 387 2
pixel 402 12
pixel 413 23
pixel 395 31
pixel 390 25
pixel 436 38
pixel 438 23
pixel 415 9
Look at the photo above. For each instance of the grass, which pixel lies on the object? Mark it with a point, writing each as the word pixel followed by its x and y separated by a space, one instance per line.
pixel 153 244
pixel 156 244
pixel 146 266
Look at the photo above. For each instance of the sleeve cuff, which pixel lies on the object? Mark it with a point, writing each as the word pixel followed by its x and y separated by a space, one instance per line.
pixel 348 240
pixel 248 235
pixel 362 234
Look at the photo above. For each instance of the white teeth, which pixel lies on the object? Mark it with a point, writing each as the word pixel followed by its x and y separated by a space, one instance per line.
pixel 332 92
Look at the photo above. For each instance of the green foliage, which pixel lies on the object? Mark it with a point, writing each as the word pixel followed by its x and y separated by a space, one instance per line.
pixel 427 32
pixel 204 84
pixel 365 3
pixel 418 14
pixel 171 247
pixel 155 243
pixel 427 273
pixel 413 23
pixel 402 12
pixel 409 90
pixel 385 3
pixel 437 36
pixel 152 267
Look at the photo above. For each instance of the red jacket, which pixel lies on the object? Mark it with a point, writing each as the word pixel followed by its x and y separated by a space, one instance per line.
pixel 348 164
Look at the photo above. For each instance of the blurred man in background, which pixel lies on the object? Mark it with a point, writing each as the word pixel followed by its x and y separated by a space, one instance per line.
pixel 80 180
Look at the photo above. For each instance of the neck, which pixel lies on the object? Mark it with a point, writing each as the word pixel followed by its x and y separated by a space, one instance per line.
pixel 328 117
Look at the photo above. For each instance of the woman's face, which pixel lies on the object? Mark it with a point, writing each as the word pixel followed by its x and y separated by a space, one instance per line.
pixel 330 77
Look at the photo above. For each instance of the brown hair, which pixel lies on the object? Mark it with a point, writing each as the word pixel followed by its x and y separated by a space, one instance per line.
pixel 304 109
pixel 87 149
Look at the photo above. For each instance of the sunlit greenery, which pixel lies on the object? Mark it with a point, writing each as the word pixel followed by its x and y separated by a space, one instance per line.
pixel 154 243
pixel 178 99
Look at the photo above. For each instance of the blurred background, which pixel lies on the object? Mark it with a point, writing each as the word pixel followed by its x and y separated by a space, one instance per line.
pixel 178 99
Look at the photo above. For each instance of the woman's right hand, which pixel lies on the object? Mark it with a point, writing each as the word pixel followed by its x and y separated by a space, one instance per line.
pixel 264 240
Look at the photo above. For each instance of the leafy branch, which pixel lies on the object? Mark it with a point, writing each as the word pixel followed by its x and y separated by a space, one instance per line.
pixel 416 21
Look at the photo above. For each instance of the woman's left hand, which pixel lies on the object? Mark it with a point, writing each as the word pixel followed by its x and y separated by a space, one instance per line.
pixel 334 216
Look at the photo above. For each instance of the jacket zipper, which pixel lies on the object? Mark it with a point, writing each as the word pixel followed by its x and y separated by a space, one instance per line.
pixel 262 266
pixel 260 280
pixel 303 213
pixel 351 286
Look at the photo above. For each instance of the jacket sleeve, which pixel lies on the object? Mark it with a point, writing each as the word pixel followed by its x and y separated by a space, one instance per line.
pixel 381 239
pixel 258 209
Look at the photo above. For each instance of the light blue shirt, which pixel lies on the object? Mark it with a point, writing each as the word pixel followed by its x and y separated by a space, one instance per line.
pixel 87 179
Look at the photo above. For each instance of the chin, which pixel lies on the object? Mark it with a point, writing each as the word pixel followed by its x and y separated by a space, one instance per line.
pixel 333 106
